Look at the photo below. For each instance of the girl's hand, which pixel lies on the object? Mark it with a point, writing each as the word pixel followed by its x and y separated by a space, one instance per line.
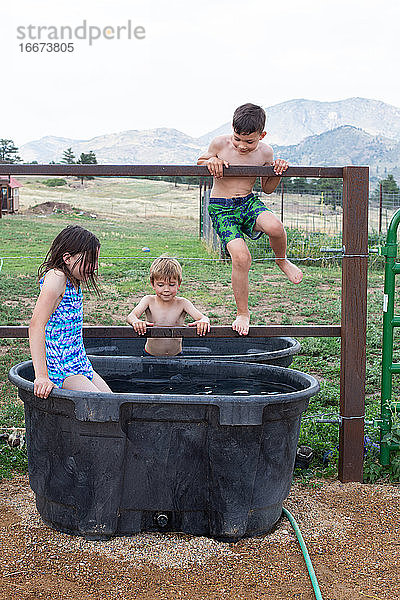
pixel 216 166
pixel 280 166
pixel 141 326
pixel 42 387
pixel 202 325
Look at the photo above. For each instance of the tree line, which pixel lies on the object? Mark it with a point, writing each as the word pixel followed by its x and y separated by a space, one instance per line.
pixel 9 155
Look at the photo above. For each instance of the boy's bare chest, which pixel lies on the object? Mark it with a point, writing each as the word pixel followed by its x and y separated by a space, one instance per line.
pixel 233 157
pixel 168 315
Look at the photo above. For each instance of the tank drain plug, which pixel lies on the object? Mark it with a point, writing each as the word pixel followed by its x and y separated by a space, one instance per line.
pixel 161 519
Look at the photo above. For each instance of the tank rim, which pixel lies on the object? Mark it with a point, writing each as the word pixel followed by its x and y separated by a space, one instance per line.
pixel 311 389
pixel 293 348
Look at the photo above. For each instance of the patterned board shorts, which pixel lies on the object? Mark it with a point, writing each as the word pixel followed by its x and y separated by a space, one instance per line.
pixel 233 217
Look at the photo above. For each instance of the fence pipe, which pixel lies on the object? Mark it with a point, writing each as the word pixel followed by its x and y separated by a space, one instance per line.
pixel 354 276
pixel 163 170
pixel 217 331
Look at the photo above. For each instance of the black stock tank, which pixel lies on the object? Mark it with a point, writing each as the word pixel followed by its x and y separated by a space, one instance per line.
pixel 203 447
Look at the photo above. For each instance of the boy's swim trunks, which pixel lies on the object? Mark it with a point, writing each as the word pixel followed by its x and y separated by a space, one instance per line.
pixel 233 217
pixel 65 352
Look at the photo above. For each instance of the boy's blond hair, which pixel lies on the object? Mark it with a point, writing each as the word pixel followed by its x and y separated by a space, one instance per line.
pixel 165 268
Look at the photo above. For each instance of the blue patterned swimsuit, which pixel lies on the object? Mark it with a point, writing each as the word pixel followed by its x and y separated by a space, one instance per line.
pixel 65 352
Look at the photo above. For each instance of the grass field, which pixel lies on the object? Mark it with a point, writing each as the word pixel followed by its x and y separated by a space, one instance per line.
pixel 124 231
pixel 140 198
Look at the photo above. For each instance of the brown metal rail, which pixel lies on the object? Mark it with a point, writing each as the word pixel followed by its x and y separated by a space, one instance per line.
pixel 219 331
pixel 159 170
pixel 354 282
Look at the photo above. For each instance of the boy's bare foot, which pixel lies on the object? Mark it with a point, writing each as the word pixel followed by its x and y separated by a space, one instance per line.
pixel 241 324
pixel 293 273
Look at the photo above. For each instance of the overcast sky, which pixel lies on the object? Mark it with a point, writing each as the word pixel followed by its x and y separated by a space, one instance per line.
pixel 196 63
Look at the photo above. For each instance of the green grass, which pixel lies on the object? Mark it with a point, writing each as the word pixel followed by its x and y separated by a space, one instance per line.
pixel 123 281
pixel 12 461
pixel 116 196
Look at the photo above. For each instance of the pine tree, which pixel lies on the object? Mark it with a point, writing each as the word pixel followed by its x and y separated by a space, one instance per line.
pixel 389 185
pixel 68 157
pixel 88 158
pixel 8 152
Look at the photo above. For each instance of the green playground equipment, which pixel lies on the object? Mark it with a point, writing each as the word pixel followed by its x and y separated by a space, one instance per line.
pixel 389 408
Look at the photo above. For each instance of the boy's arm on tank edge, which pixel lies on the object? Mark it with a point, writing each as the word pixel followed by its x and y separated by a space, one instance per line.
pixel 53 287
pixel 134 316
pixel 201 322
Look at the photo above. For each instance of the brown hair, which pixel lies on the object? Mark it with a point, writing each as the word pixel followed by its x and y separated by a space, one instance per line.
pixel 73 240
pixel 248 118
pixel 166 268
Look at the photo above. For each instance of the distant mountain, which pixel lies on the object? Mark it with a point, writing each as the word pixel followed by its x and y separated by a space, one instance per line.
pixel 345 146
pixel 46 149
pixel 152 146
pixel 356 131
pixel 291 122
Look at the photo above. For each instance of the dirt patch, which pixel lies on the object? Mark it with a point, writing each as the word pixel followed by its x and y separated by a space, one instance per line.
pixel 95 311
pixel 351 530
pixel 49 208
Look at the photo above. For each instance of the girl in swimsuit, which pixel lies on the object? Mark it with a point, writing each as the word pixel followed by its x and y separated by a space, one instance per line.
pixel 55 332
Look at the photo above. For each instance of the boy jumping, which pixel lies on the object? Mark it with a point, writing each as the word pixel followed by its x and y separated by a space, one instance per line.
pixel 235 211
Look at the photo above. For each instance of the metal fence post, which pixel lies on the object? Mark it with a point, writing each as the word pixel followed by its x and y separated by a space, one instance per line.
pixel 354 323
pixel 200 209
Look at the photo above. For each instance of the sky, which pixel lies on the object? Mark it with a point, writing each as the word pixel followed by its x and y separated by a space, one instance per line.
pixel 194 63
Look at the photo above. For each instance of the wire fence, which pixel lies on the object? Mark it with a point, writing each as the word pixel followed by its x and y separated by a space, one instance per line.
pixel 307 237
pixel 313 222
pixel 322 212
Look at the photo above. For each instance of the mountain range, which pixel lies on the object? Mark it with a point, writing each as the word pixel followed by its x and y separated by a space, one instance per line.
pixel 355 131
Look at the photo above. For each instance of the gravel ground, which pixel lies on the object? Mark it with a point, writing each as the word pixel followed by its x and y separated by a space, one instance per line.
pixel 352 532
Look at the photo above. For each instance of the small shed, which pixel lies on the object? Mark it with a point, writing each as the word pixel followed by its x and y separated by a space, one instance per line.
pixel 9 194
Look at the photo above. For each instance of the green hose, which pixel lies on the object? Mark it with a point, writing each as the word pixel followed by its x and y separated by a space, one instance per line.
pixel 303 547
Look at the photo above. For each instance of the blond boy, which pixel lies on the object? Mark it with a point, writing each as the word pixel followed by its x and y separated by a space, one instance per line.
pixel 165 308
pixel 235 211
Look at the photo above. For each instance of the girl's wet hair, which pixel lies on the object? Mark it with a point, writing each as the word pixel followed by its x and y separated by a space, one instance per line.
pixel 73 240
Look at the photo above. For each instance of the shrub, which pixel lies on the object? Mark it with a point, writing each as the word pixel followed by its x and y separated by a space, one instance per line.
pixel 56 182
